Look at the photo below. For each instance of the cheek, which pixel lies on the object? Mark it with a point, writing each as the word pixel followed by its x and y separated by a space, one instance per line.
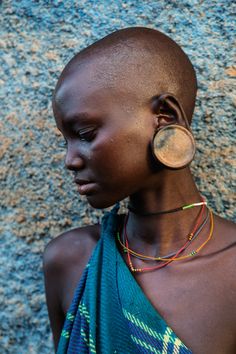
pixel 118 180
pixel 121 170
pixel 122 161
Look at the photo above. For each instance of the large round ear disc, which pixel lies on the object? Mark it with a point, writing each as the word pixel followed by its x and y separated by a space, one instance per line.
pixel 174 146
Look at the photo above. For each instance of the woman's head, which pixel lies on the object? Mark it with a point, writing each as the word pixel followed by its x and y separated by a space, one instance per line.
pixel 106 106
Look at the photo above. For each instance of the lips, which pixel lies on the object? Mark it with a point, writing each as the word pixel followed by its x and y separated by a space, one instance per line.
pixel 85 187
pixel 81 181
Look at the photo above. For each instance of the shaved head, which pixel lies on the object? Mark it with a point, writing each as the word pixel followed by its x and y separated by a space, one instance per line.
pixel 140 61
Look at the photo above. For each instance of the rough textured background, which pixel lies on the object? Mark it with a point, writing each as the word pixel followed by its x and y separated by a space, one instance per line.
pixel 38 38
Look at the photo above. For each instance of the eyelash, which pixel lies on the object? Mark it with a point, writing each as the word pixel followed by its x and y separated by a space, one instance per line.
pixel 84 135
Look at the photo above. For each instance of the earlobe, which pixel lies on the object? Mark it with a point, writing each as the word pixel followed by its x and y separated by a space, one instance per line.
pixel 173 144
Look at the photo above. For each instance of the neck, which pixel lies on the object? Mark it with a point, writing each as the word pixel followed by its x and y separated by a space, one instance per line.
pixel 160 234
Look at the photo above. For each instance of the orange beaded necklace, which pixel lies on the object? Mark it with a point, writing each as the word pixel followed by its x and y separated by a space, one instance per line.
pixel 174 257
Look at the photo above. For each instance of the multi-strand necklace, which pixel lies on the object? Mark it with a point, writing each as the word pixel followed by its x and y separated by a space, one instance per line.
pixel 174 256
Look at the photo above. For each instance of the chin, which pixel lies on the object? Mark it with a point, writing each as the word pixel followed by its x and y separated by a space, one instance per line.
pixel 100 203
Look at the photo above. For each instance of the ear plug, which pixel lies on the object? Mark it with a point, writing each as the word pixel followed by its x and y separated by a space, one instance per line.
pixel 174 146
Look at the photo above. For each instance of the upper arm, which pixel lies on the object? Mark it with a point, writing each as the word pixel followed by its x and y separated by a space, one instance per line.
pixel 64 260
pixel 53 270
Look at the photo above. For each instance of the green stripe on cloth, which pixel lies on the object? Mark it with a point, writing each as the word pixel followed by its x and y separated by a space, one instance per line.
pixel 110 313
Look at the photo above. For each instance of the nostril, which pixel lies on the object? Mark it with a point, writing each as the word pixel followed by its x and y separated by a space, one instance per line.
pixel 73 163
pixel 73 159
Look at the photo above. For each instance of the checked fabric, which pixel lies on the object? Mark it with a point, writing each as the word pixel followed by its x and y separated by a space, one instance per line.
pixel 110 313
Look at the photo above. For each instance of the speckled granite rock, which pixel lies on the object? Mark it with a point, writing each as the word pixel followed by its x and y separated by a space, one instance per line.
pixel 38 38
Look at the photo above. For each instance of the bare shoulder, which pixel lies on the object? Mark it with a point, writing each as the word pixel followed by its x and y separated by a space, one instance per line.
pixel 65 258
pixel 75 245
pixel 224 248
pixel 225 229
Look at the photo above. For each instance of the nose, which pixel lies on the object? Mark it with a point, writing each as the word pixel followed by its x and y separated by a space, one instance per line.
pixel 73 160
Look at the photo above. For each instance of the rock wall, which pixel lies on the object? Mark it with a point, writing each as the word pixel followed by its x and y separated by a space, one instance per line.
pixel 39 201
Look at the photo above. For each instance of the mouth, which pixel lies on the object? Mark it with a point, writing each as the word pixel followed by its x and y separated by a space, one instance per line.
pixel 86 187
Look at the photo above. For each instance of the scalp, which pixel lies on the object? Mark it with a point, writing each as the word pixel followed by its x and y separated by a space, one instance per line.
pixel 138 59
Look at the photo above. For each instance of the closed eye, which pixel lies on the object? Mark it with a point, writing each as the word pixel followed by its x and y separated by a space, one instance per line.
pixel 86 134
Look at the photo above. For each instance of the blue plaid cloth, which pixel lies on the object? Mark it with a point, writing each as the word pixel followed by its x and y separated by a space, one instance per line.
pixel 110 313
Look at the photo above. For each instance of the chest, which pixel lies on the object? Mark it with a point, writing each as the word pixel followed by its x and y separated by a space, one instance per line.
pixel 196 304
pixel 195 299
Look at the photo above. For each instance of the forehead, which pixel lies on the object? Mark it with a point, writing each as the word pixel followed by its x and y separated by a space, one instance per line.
pixel 90 88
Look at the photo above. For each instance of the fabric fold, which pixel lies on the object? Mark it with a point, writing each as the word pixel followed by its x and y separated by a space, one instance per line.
pixel 109 312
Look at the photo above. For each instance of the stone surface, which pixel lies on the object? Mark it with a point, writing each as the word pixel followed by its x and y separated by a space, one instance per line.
pixel 38 38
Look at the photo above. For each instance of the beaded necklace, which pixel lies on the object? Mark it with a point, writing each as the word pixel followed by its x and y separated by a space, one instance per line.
pixel 191 238
pixel 175 256
pixel 166 261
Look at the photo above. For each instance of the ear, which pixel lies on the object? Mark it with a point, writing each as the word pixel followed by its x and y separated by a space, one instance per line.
pixel 168 110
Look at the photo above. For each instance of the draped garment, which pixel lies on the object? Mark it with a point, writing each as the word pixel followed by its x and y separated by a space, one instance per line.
pixel 110 313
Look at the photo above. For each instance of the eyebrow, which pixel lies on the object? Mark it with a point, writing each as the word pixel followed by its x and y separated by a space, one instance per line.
pixel 78 120
pixel 83 117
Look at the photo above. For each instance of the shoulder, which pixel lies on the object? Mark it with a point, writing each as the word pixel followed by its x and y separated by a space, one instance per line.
pixel 224 249
pixel 64 260
pixel 225 230
pixel 224 265
pixel 71 245
pixel 67 244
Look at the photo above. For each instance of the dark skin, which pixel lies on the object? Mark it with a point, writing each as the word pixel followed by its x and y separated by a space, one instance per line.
pixel 196 297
